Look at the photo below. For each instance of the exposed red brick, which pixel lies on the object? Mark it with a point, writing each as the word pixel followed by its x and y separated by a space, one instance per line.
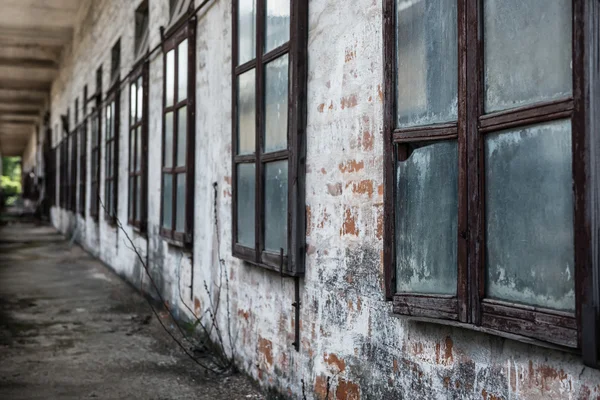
pixel 323 171
pixel 380 190
pixel 347 390
pixel 362 187
pixel 228 180
pixel 358 304
pixel 321 387
pixel 380 93
pixel 334 361
pixel 308 220
pixel 367 140
pixel 446 381
pixel 350 55
pixel 395 365
pixel 379 232
pixel 330 105
pixel 321 107
pixel 196 305
pixel 244 314
pixel 265 347
pixel 334 189
pixel 349 101
pixel 321 224
pixel 349 227
pixel 352 166
pixel 448 351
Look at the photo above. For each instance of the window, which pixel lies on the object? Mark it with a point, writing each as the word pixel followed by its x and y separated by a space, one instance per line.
pixel 111 137
pixel 269 84
pixel 73 144
pixel 138 146
pixel 64 163
pixel 178 9
pixel 83 154
pixel 485 167
pixel 95 129
pixel 142 19
pixel 178 135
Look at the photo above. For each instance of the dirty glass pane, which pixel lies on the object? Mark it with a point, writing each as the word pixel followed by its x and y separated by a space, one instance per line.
pixel 170 87
pixel 131 197
pixel 276 104
pixel 140 99
pixel 138 148
pixel 246 30
pixel 133 102
pixel 108 125
pixel 246 113
pixel 138 205
pixel 529 216
pixel 132 152
pixel 182 67
pixel 426 219
pixel 246 185
pixel 527 52
pixel 427 65
pixel 277 24
pixel 168 140
pixel 180 212
pixel 167 192
pixel 276 205
pixel 181 135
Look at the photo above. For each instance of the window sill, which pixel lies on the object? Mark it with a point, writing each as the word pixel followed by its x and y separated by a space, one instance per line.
pixel 490 331
pixel 248 255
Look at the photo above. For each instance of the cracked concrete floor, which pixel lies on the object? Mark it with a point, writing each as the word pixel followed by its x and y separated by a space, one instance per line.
pixel 71 329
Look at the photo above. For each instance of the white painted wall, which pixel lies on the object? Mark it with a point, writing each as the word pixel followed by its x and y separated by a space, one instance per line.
pixel 346 330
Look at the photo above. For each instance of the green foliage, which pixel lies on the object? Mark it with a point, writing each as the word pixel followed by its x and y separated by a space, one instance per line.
pixel 11 167
pixel 10 181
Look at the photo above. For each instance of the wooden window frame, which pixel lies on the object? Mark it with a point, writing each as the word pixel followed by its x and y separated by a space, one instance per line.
pixel 74 158
pixel 96 150
pixel 140 72
pixel 111 212
pixel 172 39
pixel 293 263
pixel 82 167
pixel 576 331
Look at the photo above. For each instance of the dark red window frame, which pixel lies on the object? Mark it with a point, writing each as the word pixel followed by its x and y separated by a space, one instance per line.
pixel 179 33
pixel 111 140
pixel 292 263
pixel 578 330
pixel 138 161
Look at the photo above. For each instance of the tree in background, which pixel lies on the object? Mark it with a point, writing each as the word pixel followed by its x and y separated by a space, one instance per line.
pixel 10 181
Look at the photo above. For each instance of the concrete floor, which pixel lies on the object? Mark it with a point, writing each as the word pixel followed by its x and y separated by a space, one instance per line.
pixel 71 329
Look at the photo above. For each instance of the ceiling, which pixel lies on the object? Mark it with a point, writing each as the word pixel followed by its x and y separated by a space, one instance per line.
pixel 33 34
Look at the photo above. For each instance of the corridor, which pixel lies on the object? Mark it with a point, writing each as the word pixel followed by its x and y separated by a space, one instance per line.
pixel 71 329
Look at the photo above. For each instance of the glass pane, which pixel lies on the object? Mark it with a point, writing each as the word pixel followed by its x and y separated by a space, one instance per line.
pixel 168 140
pixel 529 216
pixel 246 196
pixel 278 23
pixel 246 30
pixel 140 99
pixel 167 191
pixel 180 211
pixel 182 68
pixel 427 76
pixel 246 113
pixel 133 101
pixel 276 206
pixel 426 219
pixel 131 198
pixel 138 205
pixel 132 150
pixel 138 148
pixel 108 125
pixel 276 104
pixel 170 87
pixel 527 52
pixel 181 136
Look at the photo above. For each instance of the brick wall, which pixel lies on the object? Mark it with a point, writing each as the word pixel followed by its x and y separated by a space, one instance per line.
pixel 347 332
